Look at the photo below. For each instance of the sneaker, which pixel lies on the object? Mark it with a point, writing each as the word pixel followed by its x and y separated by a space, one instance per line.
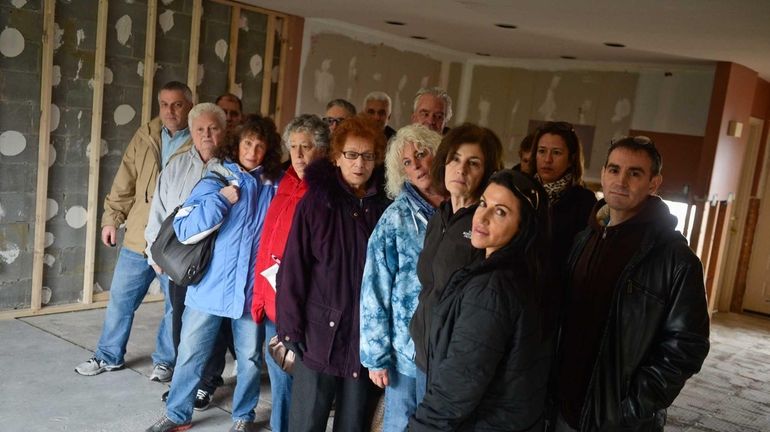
pixel 164 424
pixel 243 426
pixel 94 366
pixel 202 400
pixel 161 373
pixel 164 396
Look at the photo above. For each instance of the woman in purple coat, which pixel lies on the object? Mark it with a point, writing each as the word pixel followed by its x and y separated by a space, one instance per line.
pixel 319 281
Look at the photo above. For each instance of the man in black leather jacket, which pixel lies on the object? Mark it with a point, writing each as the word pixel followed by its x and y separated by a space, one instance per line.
pixel 635 324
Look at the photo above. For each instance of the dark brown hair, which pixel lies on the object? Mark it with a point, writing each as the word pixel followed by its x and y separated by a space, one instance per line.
pixel 264 129
pixel 467 133
pixel 575 151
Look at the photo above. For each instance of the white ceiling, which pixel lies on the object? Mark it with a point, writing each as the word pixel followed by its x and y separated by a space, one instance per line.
pixel 654 31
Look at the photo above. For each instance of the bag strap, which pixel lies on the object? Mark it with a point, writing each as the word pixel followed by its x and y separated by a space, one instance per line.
pixel 219 176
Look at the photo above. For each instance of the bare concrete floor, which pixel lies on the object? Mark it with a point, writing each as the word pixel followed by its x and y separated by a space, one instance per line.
pixel 41 392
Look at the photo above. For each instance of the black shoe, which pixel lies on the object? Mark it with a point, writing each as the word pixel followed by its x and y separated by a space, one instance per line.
pixel 164 396
pixel 202 400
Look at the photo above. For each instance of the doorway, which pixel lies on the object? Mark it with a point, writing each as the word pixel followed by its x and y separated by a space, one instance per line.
pixel 757 295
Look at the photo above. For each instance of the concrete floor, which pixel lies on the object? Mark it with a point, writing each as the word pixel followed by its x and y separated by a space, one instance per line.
pixel 41 391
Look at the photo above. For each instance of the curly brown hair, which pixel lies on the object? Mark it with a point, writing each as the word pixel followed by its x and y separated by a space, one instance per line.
pixel 265 130
pixel 361 127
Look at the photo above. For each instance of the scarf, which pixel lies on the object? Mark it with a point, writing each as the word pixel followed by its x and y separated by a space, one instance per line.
pixel 418 201
pixel 555 189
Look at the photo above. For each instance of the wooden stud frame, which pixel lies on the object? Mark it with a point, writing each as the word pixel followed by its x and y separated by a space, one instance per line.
pixel 267 69
pixel 195 36
pixel 149 60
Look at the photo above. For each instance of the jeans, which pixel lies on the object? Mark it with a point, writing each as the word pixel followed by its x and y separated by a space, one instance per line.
pixel 280 385
pixel 199 332
pixel 400 401
pixel 130 281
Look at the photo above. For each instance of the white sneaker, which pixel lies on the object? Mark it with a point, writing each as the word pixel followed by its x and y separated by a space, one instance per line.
pixel 94 366
pixel 161 373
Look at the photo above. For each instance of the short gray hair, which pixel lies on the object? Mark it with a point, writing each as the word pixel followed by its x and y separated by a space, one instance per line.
pixel 379 96
pixel 439 93
pixel 312 125
pixel 418 135
pixel 206 108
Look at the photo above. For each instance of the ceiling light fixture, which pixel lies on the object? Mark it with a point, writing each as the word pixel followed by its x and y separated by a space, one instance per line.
pixel 418 37
pixel 614 45
pixel 482 54
pixel 569 57
pixel 395 23
pixel 506 26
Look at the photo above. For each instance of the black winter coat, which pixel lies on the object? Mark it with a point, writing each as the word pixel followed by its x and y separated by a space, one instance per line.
pixel 657 331
pixel 568 216
pixel 488 361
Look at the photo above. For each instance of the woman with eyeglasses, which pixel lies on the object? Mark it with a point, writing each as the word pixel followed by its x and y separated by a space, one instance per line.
pixel 488 362
pixel 557 161
pixel 469 154
pixel 390 285
pixel 319 281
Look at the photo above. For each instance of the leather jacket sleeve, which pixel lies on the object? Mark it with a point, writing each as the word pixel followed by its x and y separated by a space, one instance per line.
pixel 682 345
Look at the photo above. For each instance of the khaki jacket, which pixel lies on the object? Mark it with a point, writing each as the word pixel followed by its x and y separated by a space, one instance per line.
pixel 134 185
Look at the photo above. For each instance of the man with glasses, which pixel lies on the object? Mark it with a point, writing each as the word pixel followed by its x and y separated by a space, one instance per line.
pixel 432 109
pixel 636 324
pixel 338 110
pixel 378 106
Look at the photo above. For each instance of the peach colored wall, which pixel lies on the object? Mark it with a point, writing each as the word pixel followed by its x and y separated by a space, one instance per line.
pixel 761 109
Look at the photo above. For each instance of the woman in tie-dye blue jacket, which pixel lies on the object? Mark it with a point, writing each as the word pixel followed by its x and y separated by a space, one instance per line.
pixel 390 287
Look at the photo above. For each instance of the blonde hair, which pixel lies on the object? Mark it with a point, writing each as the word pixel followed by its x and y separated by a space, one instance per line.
pixel 421 138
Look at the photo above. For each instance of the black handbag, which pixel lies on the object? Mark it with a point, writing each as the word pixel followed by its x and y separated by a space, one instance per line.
pixel 184 264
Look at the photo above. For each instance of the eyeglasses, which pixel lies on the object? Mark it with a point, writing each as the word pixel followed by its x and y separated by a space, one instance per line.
pixel 333 121
pixel 354 155
pixel 532 197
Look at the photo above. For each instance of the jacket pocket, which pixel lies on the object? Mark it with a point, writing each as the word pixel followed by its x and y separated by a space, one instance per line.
pixel 322 325
pixel 633 287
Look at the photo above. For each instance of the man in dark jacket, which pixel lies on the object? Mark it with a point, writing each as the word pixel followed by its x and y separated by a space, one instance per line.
pixel 636 324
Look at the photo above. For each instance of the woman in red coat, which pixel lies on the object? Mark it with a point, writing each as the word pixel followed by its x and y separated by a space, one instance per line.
pixel 307 138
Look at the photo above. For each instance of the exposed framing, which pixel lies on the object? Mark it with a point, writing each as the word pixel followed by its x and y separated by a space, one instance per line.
pixel 235 18
pixel 149 60
pixel 282 69
pixel 96 152
pixel 195 36
pixel 267 68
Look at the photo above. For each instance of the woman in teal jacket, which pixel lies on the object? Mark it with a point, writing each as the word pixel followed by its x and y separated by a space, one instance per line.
pixel 390 287
pixel 237 211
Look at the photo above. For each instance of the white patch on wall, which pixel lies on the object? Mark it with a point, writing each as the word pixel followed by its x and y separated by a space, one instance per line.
pixel 2 212
pixel 51 209
pixel 11 42
pixel 80 67
pixel 274 75
pixel 51 155
pixel 484 107
pixel 243 23
pixel 324 82
pixel 140 69
pixel 424 81
pixel 352 77
pixel 584 107
pixel 108 77
pixel 18 4
pixel 55 117
pixel 48 260
pixel 103 150
pixel 80 116
pixel 622 110
pixel 12 143
pixel 201 73
pixel 123 114
pixel 167 2
pixel 377 77
pixel 397 110
pixel 9 252
pixel 166 20
pixel 81 36
pixel 123 28
pixel 58 36
pixel 76 216
pixel 238 90
pixel 98 288
pixel 548 108
pixel 48 239
pixel 45 295
pixel 220 49
pixel 56 75
pixel 255 65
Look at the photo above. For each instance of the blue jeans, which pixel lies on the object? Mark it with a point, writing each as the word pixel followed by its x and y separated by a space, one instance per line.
pixel 199 332
pixel 280 385
pixel 400 401
pixel 130 281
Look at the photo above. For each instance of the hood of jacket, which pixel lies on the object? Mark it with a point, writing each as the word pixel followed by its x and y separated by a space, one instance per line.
pixel 324 180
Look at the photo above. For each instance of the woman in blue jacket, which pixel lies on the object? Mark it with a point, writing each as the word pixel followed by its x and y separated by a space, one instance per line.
pixel 251 164
pixel 390 287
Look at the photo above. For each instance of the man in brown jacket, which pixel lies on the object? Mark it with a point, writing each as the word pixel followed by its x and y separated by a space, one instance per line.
pixel 128 202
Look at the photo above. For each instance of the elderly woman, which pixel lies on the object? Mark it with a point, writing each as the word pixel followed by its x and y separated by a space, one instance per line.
pixel 320 280
pixel 557 161
pixel 236 211
pixel 207 124
pixel 470 154
pixel 307 139
pixel 390 286
pixel 488 362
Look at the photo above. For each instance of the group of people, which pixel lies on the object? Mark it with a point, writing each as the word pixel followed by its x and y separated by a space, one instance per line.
pixel 410 260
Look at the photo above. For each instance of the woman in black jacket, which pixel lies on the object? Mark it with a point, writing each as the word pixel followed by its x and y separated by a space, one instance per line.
pixel 488 359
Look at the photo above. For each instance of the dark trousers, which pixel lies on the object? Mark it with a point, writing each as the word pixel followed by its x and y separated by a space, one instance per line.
pixel 312 395
pixel 212 373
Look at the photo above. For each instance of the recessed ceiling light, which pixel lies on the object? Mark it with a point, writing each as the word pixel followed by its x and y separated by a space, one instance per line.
pixel 506 26
pixel 418 37
pixel 614 45
pixel 483 54
pixel 396 23
pixel 569 57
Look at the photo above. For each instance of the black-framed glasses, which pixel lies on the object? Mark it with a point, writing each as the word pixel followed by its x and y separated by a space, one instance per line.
pixel 369 157
pixel 333 121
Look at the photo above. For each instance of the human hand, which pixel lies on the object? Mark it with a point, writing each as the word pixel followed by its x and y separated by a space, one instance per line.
pixel 298 348
pixel 379 377
pixel 109 235
pixel 230 193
